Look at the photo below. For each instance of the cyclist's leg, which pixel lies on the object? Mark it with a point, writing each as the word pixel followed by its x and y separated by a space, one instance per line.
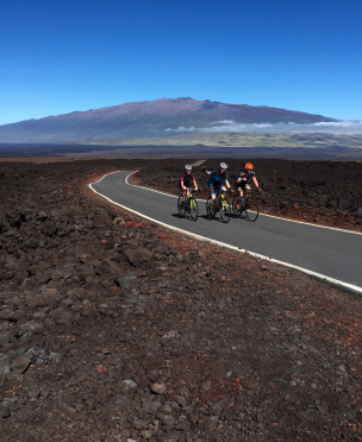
pixel 213 191
pixel 184 193
pixel 186 197
pixel 243 188
pixel 247 193
pixel 239 191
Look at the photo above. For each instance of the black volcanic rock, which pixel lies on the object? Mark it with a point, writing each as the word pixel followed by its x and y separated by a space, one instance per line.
pixel 200 344
pixel 145 119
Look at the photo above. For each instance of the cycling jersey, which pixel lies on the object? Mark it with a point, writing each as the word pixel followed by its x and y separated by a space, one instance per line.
pixel 187 180
pixel 248 174
pixel 217 179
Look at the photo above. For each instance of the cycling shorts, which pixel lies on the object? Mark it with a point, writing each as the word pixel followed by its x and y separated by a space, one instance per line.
pixel 242 185
pixel 215 189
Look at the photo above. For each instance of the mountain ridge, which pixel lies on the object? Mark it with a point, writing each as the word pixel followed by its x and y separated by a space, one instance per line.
pixel 146 118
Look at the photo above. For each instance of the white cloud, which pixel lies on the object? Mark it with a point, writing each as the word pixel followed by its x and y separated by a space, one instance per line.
pixel 337 127
pixel 183 129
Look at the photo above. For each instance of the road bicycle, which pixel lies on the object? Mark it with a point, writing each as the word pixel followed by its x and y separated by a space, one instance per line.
pixel 249 209
pixel 188 208
pixel 221 205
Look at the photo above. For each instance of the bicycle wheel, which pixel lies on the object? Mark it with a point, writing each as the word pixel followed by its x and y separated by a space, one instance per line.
pixel 180 207
pixel 252 209
pixel 193 209
pixel 225 210
pixel 209 211
pixel 237 207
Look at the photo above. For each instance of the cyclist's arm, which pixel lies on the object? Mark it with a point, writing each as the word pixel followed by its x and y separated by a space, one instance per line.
pixel 195 184
pixel 182 184
pixel 227 183
pixel 256 182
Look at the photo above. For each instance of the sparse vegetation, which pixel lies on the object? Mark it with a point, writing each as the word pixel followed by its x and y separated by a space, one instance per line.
pixel 246 139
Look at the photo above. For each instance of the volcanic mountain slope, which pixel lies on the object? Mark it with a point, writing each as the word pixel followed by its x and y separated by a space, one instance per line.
pixel 146 118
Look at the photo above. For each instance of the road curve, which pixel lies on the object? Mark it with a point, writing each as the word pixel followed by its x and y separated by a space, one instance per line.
pixel 334 253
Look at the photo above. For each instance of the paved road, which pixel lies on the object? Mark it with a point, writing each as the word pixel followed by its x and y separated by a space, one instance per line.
pixel 333 253
pixel 198 163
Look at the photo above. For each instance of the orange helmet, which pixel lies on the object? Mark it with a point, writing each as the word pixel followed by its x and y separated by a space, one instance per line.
pixel 249 166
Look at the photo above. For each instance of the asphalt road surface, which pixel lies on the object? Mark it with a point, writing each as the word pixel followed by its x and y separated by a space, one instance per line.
pixel 333 253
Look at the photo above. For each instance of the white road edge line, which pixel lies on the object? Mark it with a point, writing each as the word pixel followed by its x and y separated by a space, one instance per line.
pixel 219 243
pixel 260 213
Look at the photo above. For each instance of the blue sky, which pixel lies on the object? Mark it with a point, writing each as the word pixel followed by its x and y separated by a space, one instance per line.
pixel 58 56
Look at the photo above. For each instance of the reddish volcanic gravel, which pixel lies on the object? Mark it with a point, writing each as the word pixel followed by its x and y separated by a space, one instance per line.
pixel 114 329
pixel 324 192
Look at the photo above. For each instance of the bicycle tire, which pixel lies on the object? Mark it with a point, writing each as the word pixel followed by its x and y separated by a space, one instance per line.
pixel 209 211
pixel 225 210
pixel 180 208
pixel 252 209
pixel 193 209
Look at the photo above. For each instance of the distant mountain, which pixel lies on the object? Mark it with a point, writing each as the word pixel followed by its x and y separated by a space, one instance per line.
pixel 145 118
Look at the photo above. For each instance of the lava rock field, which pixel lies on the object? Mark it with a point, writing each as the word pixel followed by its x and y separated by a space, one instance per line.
pixel 324 192
pixel 113 328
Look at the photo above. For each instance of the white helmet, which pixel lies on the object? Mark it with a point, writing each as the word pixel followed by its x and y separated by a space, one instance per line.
pixel 187 167
pixel 223 166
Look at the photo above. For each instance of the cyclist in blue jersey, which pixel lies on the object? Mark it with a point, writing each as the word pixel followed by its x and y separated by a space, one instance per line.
pixel 218 180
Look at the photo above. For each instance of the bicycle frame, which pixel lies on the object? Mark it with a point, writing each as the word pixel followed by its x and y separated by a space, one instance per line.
pixel 190 198
pixel 191 201
pixel 188 207
pixel 249 208
pixel 248 196
pixel 221 198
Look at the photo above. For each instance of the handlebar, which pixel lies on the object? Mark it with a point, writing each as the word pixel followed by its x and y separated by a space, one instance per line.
pixel 224 191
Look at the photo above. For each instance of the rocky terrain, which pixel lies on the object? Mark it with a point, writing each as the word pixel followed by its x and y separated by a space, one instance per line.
pixel 324 192
pixel 114 329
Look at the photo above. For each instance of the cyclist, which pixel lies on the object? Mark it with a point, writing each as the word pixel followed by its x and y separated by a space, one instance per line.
pixel 243 179
pixel 218 180
pixel 186 181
